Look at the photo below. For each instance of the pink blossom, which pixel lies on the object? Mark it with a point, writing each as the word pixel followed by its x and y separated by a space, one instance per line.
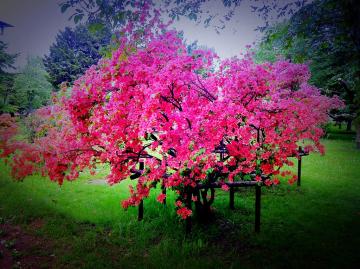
pixel 178 203
pixel 161 197
pixel 225 187
pixel 184 212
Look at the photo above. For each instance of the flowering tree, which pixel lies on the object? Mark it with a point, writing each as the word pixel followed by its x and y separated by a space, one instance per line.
pixel 154 101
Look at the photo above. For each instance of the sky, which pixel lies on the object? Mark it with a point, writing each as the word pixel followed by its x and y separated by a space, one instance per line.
pixel 36 25
pixel 38 21
pixel 238 33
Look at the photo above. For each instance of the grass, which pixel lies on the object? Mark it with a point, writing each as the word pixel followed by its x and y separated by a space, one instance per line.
pixel 315 226
pixel 334 132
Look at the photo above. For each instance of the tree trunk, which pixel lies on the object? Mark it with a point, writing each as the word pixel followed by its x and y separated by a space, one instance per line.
pixel 203 205
pixel 348 125
pixel 358 136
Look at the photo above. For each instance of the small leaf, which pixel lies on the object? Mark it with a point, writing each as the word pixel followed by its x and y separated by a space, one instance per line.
pixel 95 27
pixel 64 7
pixel 78 17
pixel 247 177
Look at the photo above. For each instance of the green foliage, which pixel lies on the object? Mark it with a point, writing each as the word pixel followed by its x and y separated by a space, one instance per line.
pixel 6 60
pixel 6 79
pixel 6 92
pixel 323 35
pixel 25 91
pixel 317 34
pixel 272 47
pixel 110 14
pixel 74 51
pixel 114 13
pixel 31 87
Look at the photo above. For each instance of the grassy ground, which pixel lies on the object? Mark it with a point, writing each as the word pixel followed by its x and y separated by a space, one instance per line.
pixel 82 225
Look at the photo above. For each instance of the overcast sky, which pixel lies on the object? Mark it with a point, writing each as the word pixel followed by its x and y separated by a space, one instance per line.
pixel 36 25
pixel 38 21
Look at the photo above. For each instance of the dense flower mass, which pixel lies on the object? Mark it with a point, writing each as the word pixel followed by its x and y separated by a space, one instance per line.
pixel 154 104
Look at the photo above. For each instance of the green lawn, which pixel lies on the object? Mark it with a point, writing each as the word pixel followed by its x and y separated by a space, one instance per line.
pixel 315 226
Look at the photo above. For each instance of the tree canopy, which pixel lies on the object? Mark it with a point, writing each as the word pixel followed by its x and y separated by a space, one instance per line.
pixel 73 52
pixel 7 61
pixel 157 113
pixel 322 34
pixel 115 13
pixel 32 89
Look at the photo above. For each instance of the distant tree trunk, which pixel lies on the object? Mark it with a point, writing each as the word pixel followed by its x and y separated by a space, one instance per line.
pixel 358 136
pixel 348 125
pixel 352 11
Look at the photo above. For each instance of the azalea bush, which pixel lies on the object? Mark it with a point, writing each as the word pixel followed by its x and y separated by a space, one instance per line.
pixel 154 103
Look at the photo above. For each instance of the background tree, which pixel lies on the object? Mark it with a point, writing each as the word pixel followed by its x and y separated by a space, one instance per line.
pixel 6 79
pixel 6 60
pixel 74 51
pixel 31 87
pixel 322 33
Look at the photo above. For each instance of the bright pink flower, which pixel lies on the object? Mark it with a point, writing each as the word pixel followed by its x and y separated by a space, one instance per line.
pixel 178 203
pixel 267 182
pixel 276 181
pixel 184 212
pixel 161 197
pixel 225 187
